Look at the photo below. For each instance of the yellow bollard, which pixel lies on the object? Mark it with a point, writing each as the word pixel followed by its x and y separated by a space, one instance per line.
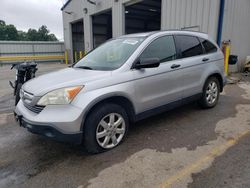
pixel 227 59
pixel 80 54
pixel 75 56
pixel 66 56
pixel 226 50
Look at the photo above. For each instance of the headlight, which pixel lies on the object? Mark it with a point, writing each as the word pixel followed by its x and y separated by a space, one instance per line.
pixel 60 96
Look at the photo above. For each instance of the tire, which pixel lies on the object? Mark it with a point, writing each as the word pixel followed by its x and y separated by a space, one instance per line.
pixel 98 123
pixel 211 93
pixel 17 94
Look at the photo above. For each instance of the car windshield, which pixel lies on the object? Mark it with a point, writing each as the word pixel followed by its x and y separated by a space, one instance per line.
pixel 111 55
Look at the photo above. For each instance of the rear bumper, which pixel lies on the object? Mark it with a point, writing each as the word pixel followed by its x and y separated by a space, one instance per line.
pixel 48 131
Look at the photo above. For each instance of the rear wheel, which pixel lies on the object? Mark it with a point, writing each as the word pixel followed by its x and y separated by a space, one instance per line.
pixel 105 128
pixel 211 93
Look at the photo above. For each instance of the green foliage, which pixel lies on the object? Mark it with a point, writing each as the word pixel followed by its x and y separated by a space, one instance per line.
pixel 52 37
pixel 22 36
pixel 2 23
pixel 2 29
pixel 32 35
pixel 9 32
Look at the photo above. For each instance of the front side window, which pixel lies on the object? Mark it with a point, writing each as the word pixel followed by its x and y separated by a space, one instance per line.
pixel 111 55
pixel 208 46
pixel 189 46
pixel 162 48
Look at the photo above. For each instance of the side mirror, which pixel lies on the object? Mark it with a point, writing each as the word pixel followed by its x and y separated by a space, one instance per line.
pixel 147 63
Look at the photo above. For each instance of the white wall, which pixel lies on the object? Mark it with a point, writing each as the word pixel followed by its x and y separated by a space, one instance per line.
pixel 237 28
pixel 178 14
pixel 77 9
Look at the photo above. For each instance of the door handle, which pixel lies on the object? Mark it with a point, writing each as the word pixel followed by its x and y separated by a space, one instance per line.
pixel 205 59
pixel 174 66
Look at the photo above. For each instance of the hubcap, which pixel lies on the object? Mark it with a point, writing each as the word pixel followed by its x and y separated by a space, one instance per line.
pixel 110 130
pixel 212 92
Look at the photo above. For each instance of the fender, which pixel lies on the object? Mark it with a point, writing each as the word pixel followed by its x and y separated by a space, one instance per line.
pixel 117 97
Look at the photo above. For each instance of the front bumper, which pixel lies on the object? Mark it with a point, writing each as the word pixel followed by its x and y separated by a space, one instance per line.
pixel 62 123
pixel 48 131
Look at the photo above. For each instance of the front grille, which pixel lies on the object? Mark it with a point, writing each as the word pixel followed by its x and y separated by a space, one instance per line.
pixel 29 103
pixel 26 96
pixel 36 109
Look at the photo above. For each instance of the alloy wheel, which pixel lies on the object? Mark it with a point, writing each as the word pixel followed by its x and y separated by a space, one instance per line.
pixel 212 92
pixel 110 130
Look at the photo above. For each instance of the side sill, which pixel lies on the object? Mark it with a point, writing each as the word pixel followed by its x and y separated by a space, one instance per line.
pixel 166 107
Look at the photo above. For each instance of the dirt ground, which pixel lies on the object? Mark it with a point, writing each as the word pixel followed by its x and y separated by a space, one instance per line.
pixel 185 147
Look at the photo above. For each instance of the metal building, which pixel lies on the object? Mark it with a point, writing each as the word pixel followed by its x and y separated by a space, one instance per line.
pixel 88 23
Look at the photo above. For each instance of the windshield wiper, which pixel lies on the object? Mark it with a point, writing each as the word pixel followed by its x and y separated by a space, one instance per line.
pixel 84 67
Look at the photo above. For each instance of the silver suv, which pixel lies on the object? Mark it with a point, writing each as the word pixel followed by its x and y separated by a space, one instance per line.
pixel 122 81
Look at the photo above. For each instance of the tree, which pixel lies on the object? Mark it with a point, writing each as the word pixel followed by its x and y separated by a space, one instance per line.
pixel 43 33
pixel 52 37
pixel 22 36
pixel 2 30
pixel 32 35
pixel 2 23
pixel 9 32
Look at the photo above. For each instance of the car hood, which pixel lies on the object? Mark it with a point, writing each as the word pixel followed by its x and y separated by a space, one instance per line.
pixel 63 78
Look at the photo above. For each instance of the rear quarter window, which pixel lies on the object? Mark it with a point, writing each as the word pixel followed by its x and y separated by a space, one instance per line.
pixel 208 46
pixel 188 45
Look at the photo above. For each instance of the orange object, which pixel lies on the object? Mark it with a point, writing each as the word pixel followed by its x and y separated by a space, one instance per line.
pixel 72 92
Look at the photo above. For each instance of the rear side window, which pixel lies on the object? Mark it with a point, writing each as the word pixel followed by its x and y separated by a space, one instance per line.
pixel 188 45
pixel 208 46
pixel 162 48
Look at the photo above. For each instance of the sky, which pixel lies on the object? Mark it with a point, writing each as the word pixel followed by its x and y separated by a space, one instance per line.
pixel 25 14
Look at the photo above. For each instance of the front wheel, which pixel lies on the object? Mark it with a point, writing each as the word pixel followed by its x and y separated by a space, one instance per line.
pixel 105 128
pixel 211 93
